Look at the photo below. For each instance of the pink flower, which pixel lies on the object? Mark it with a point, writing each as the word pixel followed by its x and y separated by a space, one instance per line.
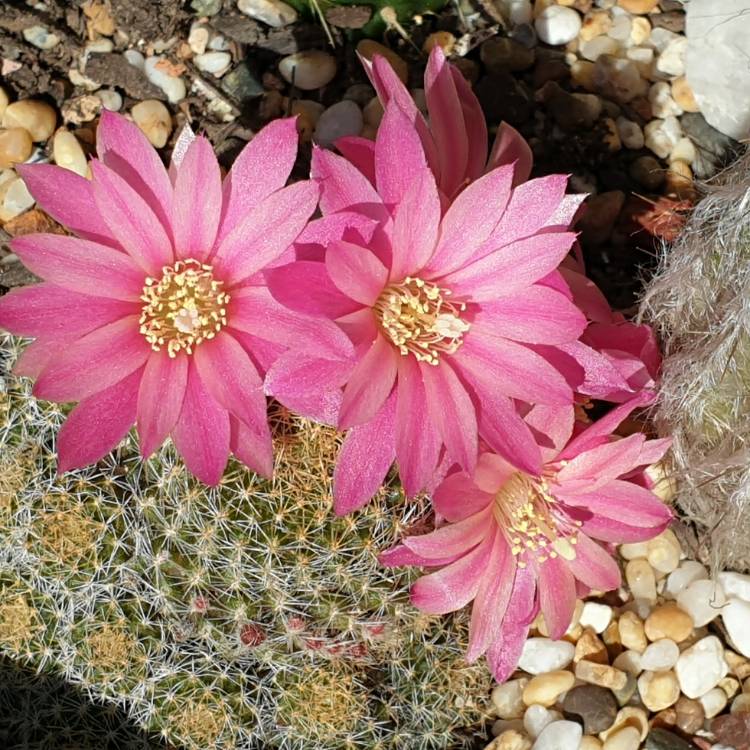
pixel 156 313
pixel 515 543
pixel 452 316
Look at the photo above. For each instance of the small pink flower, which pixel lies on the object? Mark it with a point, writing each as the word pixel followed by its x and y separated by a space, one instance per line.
pixel 156 313
pixel 453 314
pixel 515 543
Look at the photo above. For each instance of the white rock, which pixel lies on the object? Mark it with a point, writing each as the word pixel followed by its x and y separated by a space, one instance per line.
pixel 342 119
pixel 631 133
pixel 557 24
pixel 216 63
pixel 736 617
pixel 507 699
pixel 100 46
pixel 110 99
pixel 15 199
pixel 198 38
pixel 702 666
pixel 735 585
pixel 542 655
pixel 628 661
pixel 135 58
pixel 621 28
pixel 684 151
pixel 662 103
pixel 671 61
pixel 594 48
pixel 501 725
pixel 536 719
pixel 713 702
pixel 595 616
pixel 67 152
pixel 660 38
pixel 662 135
pixel 41 37
pixel 308 70
pixel 272 12
pixel 643 57
pixel 219 43
pixel 173 86
pixel 634 550
pixel 689 571
pixel 559 735
pixel 660 655
pixel 626 738
pixel 702 600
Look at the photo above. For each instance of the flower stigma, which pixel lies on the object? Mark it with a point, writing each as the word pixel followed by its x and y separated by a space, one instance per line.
pixel 418 319
pixel 183 308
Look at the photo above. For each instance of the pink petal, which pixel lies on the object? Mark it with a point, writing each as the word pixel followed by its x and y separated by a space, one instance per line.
pixel 567 213
pixel 131 220
pixel 182 144
pixel 510 147
pixel 586 370
pixel 263 353
pixel 36 356
pixel 201 435
pixel 557 595
pixel 197 202
pixel 653 451
pixel 262 168
pixel 254 449
pixel 474 123
pixel 95 362
pixel 594 566
pixel 231 378
pixel 81 266
pixel 452 412
pixel 160 397
pixel 369 385
pixel 360 152
pixel 67 198
pixel 356 271
pixel 452 539
pixel 552 426
pixel 97 424
pixel 415 226
pixel 400 555
pixel 418 443
pixel 364 459
pixel 603 463
pixel 351 226
pixel 266 231
pixel 342 185
pixel 49 310
pixel 457 497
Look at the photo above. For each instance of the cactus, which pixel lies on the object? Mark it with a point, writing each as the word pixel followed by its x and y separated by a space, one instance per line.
pixel 245 615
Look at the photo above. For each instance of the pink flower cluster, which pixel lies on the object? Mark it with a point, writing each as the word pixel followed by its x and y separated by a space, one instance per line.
pixel 432 309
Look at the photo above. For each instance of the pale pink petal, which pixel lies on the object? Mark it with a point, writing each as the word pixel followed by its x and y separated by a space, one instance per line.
pixel 131 220
pixel 369 385
pixel 342 185
pixel 95 362
pixel 510 147
pixel 201 435
pixel 653 451
pixel 81 266
pixel 360 326
pixel 400 555
pixel 36 356
pixel 265 232
pixel 457 497
pixel 566 214
pixel 452 538
pixel 552 427
pixel 452 412
pixel 254 449
pixel 364 459
pixel 263 353
pixel 557 595
pixel 360 152
pixel 197 202
pixel 97 424
pixel 492 472
pixel 351 226
pixel 185 137
pixel 160 397
pixel 418 442
pixel 262 168
pixel 474 123
pixel 594 566
pixel 49 310
pixel 67 198
pixel 356 271
pixel 602 463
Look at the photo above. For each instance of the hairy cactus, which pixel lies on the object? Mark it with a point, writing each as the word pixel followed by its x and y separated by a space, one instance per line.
pixel 245 615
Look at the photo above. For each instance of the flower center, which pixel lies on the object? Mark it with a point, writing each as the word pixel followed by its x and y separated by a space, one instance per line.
pixel 418 319
pixel 526 510
pixel 182 308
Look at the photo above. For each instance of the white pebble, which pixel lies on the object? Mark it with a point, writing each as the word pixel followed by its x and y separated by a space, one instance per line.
pixel 684 151
pixel 736 617
pixel 660 38
pixel 702 666
pixel 662 135
pixel 216 63
pixel 702 600
pixel 536 719
pixel 342 119
pixel 198 38
pixel 15 199
pixel 634 550
pixel 559 735
pixel 99 46
pixel 713 702
pixel 671 61
pixel 41 37
pixel 596 616
pixel 621 28
pixel 507 699
pixel 627 738
pixel 557 24
pixel 643 57
pixel 219 43
pixel 689 571
pixel 67 152
pixel 172 86
pixel 735 585
pixel 541 655
pixel 594 48
pixel 628 661
pixel 135 58
pixel 660 655
pixel 662 103
pixel 630 132
pixel 271 12
pixel 110 99
pixel 308 70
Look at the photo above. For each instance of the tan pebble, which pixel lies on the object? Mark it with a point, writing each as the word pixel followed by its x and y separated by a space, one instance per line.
pixel 153 118
pixel 308 70
pixel 15 199
pixel 730 686
pixel 546 688
pixel 629 661
pixel 601 674
pixel 511 739
pixel 15 147
pixel 690 715
pixel 627 738
pixel 308 113
pixel 666 718
pixel 591 648
pixel 629 716
pixel 611 638
pixel 664 552
pixel 3 101
pixel 632 634
pixel 679 178
pixel 68 153
pixel 582 74
pixel 503 725
pixel 713 702
pixel 668 621
pixel 738 665
pixel 596 23
pixel 664 483
pixel 683 95
pixel 367 48
pixel 373 112
pixel 590 743
pixel 741 704
pixel 658 690
pixel 634 550
pixel 507 699
pixel 443 39
pixel 641 580
pixel 38 117
pixel 640 30
pixel 639 7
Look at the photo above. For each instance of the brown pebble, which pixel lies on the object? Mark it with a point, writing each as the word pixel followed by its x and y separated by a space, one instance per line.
pixel 632 634
pixel 733 730
pixel 443 39
pixel 15 147
pixel 666 718
pixel 668 621
pixel 689 715
pixel 595 706
pixel 36 116
pixel 367 48
pixel 591 648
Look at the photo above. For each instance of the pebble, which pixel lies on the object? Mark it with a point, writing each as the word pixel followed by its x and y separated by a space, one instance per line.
pixel 628 661
pixel 660 39
pixel 595 616
pixel 683 151
pixel 735 585
pixel 702 600
pixel 730 686
pixel 503 53
pixel 600 45
pixel 658 690
pixel 701 667
pixel 110 99
pixel 4 101
pixel 67 152
pixel 537 717
pixel 557 25
pixel 640 30
pixel 172 86
pixel 241 84
pixel 621 29
pixel 308 70
pixel 443 39
pixel 627 738
pixel 308 113
pixel 641 580
pixel 367 48
pixel 663 105
pixel 629 716
pixel 733 730
pixel 271 12
pixel 507 698
pixel 591 648
pixel 15 199
pixel 618 79
pixel 542 655
pixel 341 119
pixel 216 63
pixel 688 572
pixel 601 674
pixel 662 739
pixel 595 24
pixel 154 120
pixel 643 57
pixel 671 61
pixel 510 739
pixel 639 7
pixel 713 702
pixel 633 550
pixel 595 706
pixel 668 621
pixel 546 688
pixel 590 743
pixel 559 735
pixel 135 58
pixel 736 618
pixel 15 147
pixel 741 704
pixel 198 38
pixel 689 715
pixel 660 655
pixel 37 117
pixel 582 74
pixel 662 135
pixel 631 133
pixel 647 171
pixel 41 37
pixel 672 20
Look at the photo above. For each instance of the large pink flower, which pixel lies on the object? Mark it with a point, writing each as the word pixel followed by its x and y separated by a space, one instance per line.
pixel 515 543
pixel 453 316
pixel 156 313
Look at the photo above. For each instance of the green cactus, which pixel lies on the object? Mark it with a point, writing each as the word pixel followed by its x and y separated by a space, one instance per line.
pixel 246 615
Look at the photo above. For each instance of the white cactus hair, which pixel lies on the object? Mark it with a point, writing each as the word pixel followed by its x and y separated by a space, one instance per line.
pixel 699 301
